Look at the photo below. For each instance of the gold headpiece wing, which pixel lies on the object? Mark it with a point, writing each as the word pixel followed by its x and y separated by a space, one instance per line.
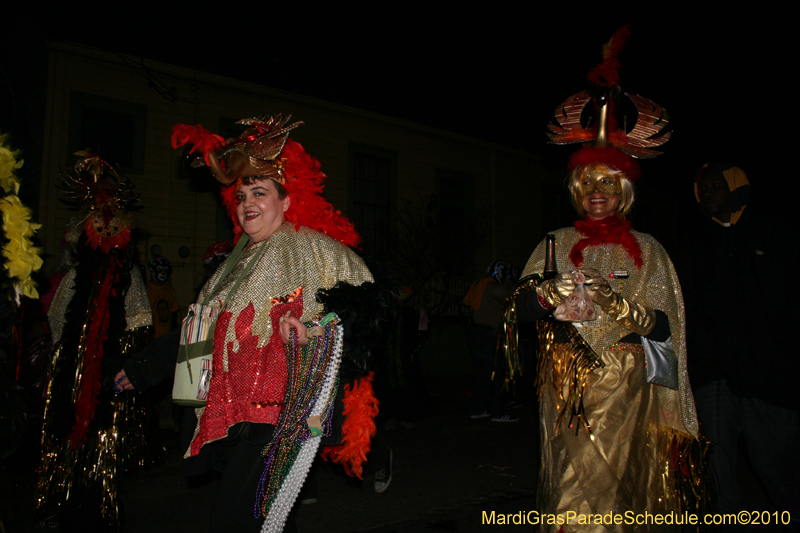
pixel 651 120
pixel 256 151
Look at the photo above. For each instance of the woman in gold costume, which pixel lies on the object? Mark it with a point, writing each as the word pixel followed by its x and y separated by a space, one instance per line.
pixel 615 444
pixel 607 435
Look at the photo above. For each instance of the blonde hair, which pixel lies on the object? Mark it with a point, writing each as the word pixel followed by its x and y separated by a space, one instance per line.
pixel 574 179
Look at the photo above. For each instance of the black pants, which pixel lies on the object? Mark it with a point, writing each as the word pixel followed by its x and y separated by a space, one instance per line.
pixel 485 392
pixel 239 459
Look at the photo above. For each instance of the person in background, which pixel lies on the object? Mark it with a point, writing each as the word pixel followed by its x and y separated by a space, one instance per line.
pixel 99 315
pixel 742 362
pixel 163 300
pixel 487 300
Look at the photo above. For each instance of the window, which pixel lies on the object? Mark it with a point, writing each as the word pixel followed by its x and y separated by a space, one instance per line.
pixel 457 237
pixel 113 129
pixel 373 180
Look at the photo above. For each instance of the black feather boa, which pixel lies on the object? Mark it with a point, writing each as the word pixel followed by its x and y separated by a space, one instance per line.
pixel 363 310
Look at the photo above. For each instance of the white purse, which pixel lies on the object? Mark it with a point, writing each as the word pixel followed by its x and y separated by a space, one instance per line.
pixel 196 350
pixel 193 370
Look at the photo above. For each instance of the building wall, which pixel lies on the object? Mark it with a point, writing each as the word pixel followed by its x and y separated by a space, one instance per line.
pixel 177 212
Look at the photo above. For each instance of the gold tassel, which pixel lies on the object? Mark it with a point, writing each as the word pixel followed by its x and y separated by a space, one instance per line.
pixel 95 465
pixel 507 349
pixel 507 353
pixel 570 363
pixel 67 470
pixel 684 470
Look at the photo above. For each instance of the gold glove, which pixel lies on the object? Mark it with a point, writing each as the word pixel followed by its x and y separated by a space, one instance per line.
pixel 547 290
pixel 593 277
pixel 561 287
pixel 630 315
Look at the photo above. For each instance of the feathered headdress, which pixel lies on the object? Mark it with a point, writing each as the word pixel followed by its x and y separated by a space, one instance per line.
pixel 605 141
pixel 105 198
pixel 265 150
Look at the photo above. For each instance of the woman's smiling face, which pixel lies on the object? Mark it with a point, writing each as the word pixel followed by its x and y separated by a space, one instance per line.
pixel 601 194
pixel 260 209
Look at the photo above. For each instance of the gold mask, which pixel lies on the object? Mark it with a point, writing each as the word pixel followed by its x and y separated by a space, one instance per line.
pixel 599 181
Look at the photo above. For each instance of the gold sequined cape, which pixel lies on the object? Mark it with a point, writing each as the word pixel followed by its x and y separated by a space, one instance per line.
pixel 619 466
pixel 288 260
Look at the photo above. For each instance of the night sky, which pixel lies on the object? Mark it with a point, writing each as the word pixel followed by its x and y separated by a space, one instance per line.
pixel 496 74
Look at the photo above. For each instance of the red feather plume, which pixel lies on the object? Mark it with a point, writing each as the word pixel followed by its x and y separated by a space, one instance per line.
pixel 606 74
pixel 200 139
pixel 360 410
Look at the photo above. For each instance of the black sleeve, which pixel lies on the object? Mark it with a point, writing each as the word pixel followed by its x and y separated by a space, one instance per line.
pixel 155 363
pixel 364 310
pixel 528 307
pixel 660 331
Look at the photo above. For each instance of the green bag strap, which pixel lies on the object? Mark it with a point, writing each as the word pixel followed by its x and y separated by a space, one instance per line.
pixel 232 261
pixel 192 351
pixel 235 255
pixel 243 275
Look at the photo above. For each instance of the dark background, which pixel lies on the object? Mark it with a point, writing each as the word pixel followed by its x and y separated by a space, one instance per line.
pixel 494 72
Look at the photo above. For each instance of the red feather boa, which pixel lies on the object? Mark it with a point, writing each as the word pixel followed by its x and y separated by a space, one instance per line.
pixel 360 410
pixel 607 155
pixel 96 335
pixel 304 184
pixel 610 230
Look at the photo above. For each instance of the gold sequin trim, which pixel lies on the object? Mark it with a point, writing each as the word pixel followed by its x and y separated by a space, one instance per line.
pixel 627 347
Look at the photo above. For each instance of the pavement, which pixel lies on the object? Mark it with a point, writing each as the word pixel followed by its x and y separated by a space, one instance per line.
pixel 450 474
pixel 447 470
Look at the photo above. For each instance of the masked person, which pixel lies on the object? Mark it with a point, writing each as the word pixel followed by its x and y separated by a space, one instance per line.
pixel 99 315
pixel 163 300
pixel 611 440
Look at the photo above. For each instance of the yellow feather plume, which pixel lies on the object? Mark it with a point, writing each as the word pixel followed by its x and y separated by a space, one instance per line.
pixel 22 258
